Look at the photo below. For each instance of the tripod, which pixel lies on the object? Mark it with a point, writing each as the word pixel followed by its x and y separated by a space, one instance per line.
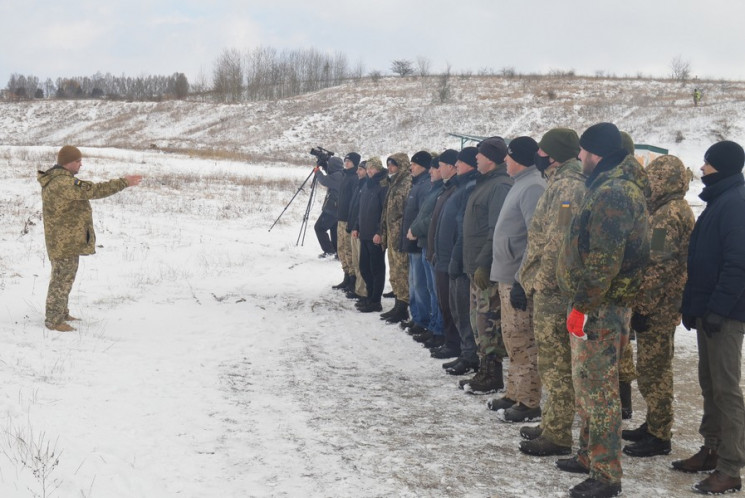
pixel 304 223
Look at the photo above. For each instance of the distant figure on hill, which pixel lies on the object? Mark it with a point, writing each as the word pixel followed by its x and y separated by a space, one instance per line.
pixel 68 226
pixel 696 96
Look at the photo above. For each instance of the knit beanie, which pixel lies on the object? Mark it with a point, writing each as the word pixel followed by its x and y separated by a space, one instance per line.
pixel 449 156
pixel 628 143
pixel 468 156
pixel 68 154
pixel 494 148
pixel 522 150
pixel 602 139
pixel 562 144
pixel 422 158
pixel 726 157
pixel 435 163
pixel 354 157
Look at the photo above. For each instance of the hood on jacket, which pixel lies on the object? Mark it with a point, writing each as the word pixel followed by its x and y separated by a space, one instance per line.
pixel 668 179
pixel 404 164
pixel 44 177
pixel 335 164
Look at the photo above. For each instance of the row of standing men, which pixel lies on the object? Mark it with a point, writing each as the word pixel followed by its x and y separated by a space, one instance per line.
pixel 548 254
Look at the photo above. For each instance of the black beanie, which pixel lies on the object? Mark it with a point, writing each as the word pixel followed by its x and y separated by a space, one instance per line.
pixel 435 163
pixel 522 150
pixel 494 148
pixel 562 144
pixel 726 157
pixel 354 157
pixel 422 158
pixel 449 156
pixel 468 156
pixel 602 139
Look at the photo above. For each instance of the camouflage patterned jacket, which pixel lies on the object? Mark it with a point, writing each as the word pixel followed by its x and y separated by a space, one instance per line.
pixel 553 214
pixel 68 218
pixel 671 222
pixel 391 221
pixel 606 249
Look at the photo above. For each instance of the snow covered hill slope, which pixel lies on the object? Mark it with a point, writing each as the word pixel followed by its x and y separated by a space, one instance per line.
pixel 393 114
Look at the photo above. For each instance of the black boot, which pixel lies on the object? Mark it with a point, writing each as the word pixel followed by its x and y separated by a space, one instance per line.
pixel 400 312
pixel 491 381
pixel 625 389
pixel 343 284
pixel 351 284
pixel 388 313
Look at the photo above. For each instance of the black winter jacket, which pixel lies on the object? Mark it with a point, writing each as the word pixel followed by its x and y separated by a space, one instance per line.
pixel 420 226
pixel 353 216
pixel 716 253
pixel 331 181
pixel 347 188
pixel 372 200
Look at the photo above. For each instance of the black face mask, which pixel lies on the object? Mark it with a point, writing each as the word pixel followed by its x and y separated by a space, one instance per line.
pixel 542 163
pixel 712 178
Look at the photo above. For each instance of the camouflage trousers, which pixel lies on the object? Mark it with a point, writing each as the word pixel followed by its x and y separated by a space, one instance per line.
pixel 344 248
pixel 523 383
pixel 554 367
pixel 60 285
pixel 595 377
pixel 654 364
pixel 626 369
pixel 485 318
pixel 398 263
pixel 359 284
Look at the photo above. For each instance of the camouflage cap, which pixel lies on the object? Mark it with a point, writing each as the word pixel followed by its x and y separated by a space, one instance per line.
pixel 374 163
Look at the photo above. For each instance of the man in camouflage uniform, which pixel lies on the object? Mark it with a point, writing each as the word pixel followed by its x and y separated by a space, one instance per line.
pixel 68 227
pixel 391 223
pixel 479 219
pixel 600 270
pixel 557 159
pixel 656 310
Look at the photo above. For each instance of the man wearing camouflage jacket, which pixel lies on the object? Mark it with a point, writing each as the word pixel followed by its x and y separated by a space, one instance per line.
pixel 68 227
pixel 600 269
pixel 557 158
pixel 656 310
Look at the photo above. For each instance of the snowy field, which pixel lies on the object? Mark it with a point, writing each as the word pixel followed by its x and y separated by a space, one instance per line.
pixel 213 360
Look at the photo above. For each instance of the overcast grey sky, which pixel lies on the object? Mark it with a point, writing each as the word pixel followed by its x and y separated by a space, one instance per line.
pixel 134 37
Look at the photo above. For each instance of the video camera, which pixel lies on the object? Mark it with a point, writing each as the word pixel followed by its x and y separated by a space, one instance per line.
pixel 322 155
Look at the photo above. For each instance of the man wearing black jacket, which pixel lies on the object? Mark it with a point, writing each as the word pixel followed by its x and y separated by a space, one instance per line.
pixel 714 304
pixel 347 187
pixel 325 226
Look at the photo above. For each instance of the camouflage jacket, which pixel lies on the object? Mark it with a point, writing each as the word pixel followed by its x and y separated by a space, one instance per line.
pixel 606 248
pixel 553 214
pixel 671 222
pixel 391 221
pixel 68 218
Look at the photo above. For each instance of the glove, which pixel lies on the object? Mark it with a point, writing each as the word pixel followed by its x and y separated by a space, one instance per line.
pixel 481 277
pixel 576 324
pixel 639 322
pixel 518 299
pixel 712 323
pixel 689 322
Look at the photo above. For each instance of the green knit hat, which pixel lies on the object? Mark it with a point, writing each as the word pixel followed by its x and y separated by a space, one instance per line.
pixel 561 144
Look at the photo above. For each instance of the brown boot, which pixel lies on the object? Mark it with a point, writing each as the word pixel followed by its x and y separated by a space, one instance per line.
pixel 70 318
pixel 718 483
pixel 60 327
pixel 703 461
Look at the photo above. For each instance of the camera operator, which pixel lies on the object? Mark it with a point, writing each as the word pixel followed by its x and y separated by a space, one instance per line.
pixel 329 174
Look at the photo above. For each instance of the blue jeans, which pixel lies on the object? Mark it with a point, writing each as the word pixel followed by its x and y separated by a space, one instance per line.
pixel 419 300
pixel 435 315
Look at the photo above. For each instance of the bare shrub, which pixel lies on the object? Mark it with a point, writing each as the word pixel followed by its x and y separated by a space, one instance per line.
pixel 680 69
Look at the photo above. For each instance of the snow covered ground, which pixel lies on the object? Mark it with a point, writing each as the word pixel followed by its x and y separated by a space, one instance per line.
pixel 213 360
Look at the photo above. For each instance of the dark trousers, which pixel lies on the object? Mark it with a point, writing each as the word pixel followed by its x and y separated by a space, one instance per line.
pixel 326 224
pixel 442 284
pixel 372 268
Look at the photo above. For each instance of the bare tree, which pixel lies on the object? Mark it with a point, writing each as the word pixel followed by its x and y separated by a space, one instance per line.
pixel 228 76
pixel 422 66
pixel 443 91
pixel 402 67
pixel 680 69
